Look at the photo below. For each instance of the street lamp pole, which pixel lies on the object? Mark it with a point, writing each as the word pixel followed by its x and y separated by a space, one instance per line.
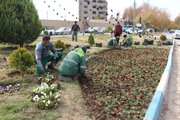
pixel 134 14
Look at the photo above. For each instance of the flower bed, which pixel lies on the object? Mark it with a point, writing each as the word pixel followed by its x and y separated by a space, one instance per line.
pixel 121 83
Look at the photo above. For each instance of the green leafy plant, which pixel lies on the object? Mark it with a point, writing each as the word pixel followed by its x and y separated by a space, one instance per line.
pixel 91 40
pixel 20 22
pixel 45 32
pixel 60 44
pixel 123 94
pixel 21 59
pixel 163 37
pixel 49 79
pixel 109 29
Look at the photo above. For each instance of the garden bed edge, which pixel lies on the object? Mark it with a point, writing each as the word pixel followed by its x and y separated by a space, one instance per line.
pixel 155 106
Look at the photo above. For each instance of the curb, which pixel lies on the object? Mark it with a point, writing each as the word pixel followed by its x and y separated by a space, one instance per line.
pixel 154 108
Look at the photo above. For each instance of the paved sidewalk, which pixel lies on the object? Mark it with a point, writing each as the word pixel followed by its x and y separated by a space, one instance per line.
pixel 171 105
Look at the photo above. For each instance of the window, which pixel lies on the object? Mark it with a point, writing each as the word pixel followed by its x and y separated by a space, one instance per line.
pixel 85 12
pixel 101 1
pixel 85 6
pixel 94 12
pixel 94 6
pixel 101 12
pixel 94 0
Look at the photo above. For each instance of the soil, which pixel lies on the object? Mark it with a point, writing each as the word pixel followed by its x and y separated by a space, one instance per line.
pixel 88 92
pixel 73 105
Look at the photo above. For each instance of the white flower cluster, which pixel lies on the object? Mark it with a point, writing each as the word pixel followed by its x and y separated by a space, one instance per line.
pixel 49 77
pixel 46 96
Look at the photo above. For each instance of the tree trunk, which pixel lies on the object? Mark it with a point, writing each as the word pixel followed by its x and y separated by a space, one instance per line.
pixel 21 45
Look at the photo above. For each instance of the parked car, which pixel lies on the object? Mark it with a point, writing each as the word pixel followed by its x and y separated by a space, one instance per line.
pixel 49 30
pixel 176 35
pixel 151 30
pixel 139 31
pixel 102 30
pixel 89 30
pixel 129 31
pixel 172 31
pixel 126 28
pixel 96 29
pixel 63 31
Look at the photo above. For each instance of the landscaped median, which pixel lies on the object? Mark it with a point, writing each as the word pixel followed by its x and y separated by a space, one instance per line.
pixel 121 83
pixel 156 103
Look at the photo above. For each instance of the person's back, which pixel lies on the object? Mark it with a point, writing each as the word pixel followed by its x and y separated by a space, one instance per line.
pixel 75 28
pixel 69 66
pixel 128 41
pixel 118 30
pixel 73 64
pixel 112 41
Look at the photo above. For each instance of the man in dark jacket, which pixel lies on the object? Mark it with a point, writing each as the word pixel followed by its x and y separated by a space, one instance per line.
pixel 118 32
pixel 73 64
pixel 75 28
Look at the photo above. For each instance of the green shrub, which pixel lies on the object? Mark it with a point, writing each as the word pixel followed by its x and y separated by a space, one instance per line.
pixel 163 37
pixel 109 29
pixel 21 59
pixel 46 32
pixel 143 33
pixel 91 40
pixel 60 44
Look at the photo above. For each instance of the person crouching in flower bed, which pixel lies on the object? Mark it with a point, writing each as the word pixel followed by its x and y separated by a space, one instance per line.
pixel 112 40
pixel 128 40
pixel 43 57
pixel 73 65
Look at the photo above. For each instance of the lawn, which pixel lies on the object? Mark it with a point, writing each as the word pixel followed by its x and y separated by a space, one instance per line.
pixel 83 39
pixel 17 105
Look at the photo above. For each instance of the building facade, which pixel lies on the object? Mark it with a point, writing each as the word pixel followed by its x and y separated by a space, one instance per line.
pixel 92 9
pixel 56 24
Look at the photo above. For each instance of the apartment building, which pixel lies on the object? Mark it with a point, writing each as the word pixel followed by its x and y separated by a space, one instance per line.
pixel 93 9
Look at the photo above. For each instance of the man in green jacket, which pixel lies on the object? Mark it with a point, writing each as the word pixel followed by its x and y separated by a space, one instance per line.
pixel 43 55
pixel 73 64
pixel 112 40
pixel 128 40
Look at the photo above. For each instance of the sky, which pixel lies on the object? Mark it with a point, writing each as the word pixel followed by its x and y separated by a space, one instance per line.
pixel 56 9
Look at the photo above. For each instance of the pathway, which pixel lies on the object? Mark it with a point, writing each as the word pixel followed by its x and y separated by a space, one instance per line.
pixel 171 105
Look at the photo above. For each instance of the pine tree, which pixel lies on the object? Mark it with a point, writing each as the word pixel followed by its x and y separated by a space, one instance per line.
pixel 19 22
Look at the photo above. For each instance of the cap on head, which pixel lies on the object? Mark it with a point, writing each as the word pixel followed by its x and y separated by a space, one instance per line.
pixel 84 48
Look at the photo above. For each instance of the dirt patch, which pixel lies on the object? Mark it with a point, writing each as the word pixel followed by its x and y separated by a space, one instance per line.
pixel 3 74
pixel 73 105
